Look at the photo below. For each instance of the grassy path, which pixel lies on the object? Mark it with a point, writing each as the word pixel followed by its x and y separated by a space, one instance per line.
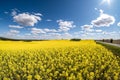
pixel 112 47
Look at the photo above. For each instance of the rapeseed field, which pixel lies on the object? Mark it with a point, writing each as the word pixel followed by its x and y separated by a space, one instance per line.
pixel 57 60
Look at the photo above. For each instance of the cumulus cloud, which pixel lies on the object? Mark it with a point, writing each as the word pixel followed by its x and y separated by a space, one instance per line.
pixel 50 30
pixel 110 33
pixel 87 28
pixel 37 31
pixel 67 35
pixel 46 30
pixel 27 34
pixel 65 25
pixel 43 36
pixel 90 30
pixel 6 12
pixel 79 32
pixel 96 8
pixel 15 26
pixel 98 30
pixel 14 13
pixel 14 31
pixel 118 24
pixel 48 20
pixel 26 19
pixel 38 14
pixel 103 20
pixel 51 36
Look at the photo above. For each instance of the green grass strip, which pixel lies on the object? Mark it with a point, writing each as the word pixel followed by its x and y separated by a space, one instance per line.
pixel 114 49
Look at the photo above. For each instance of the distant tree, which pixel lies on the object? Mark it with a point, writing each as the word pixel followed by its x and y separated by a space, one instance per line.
pixel 103 40
pixel 75 39
pixel 111 40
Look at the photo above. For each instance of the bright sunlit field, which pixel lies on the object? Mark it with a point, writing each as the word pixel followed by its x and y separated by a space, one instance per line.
pixel 57 60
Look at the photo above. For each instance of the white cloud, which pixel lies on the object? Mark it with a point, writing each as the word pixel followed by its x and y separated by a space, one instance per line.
pixel 65 29
pixel 50 30
pixel 87 28
pixel 51 36
pixel 65 25
pixel 38 14
pixel 118 24
pixel 14 13
pixel 98 30
pixel 15 26
pixel 14 31
pixel 101 11
pixel 105 32
pixel 54 34
pixel 27 34
pixel 26 19
pixel 6 12
pixel 110 33
pixel 90 30
pixel 48 34
pixel 44 36
pixel 78 33
pixel 48 20
pixel 103 20
pixel 67 36
pixel 46 30
pixel 96 8
pixel 37 31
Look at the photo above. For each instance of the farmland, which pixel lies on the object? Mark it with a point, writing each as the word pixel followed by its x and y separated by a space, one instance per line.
pixel 57 59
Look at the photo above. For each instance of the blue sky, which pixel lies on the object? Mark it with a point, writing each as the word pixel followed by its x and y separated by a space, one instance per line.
pixel 60 19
